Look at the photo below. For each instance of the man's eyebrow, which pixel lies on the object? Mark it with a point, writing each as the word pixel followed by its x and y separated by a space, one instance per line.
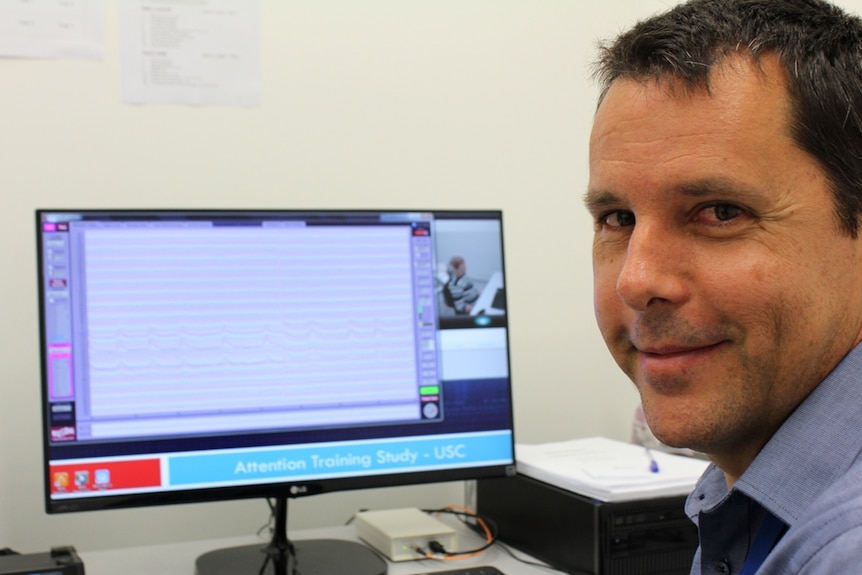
pixel 597 202
pixel 709 187
pixel 722 188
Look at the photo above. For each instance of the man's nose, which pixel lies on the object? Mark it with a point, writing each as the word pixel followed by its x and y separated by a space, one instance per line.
pixel 656 267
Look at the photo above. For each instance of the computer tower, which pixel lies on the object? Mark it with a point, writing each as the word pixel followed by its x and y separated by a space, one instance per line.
pixel 584 536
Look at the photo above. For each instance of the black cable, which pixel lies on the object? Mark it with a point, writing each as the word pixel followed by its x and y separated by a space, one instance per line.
pixel 352 517
pixel 269 520
pixel 492 527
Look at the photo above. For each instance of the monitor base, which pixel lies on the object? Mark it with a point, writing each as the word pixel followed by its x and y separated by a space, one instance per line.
pixel 309 557
pixel 285 557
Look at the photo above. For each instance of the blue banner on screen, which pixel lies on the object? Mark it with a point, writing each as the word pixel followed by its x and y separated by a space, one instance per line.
pixel 332 460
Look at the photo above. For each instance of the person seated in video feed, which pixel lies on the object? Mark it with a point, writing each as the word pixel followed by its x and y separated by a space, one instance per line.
pixel 459 292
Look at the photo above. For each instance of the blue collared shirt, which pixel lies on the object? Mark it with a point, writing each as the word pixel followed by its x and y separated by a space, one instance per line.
pixel 809 475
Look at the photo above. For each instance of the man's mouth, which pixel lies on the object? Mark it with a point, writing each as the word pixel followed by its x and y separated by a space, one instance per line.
pixel 673 359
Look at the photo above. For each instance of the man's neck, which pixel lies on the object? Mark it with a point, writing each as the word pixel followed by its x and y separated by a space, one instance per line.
pixel 733 464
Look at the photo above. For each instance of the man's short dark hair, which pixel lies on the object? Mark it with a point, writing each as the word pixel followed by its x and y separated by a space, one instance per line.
pixel 818 45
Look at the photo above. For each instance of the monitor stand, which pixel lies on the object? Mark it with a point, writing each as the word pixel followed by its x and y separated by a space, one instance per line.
pixel 284 557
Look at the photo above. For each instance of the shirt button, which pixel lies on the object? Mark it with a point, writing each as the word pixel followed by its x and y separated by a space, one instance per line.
pixel 722 568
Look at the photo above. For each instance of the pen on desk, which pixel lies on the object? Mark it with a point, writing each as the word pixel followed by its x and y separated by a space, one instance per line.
pixel 653 464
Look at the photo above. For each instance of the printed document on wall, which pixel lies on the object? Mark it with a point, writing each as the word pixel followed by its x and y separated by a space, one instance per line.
pixel 62 29
pixel 201 53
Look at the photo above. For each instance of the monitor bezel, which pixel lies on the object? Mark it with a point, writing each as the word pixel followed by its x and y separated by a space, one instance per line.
pixel 289 489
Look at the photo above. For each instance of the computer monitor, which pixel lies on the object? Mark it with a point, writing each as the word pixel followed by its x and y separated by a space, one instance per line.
pixel 206 355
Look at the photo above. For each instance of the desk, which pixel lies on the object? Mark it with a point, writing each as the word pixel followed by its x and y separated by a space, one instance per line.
pixel 179 558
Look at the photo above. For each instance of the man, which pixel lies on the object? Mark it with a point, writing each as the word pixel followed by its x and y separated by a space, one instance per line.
pixel 459 292
pixel 726 190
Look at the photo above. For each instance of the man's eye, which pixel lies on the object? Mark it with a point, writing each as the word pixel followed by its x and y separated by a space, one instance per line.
pixel 725 212
pixel 618 219
pixel 720 213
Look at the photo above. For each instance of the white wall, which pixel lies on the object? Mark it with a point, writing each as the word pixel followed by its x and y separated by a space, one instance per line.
pixel 380 103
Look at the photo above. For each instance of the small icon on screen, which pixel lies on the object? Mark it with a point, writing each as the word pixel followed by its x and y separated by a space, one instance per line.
pixel 103 477
pixel 63 433
pixel 82 479
pixel 61 480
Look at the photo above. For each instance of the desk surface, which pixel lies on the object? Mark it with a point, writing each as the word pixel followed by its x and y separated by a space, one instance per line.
pixel 179 558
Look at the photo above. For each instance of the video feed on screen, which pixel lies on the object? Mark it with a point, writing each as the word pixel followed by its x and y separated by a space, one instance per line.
pixel 469 279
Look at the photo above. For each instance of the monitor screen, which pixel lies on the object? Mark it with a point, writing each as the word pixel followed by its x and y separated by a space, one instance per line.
pixel 200 355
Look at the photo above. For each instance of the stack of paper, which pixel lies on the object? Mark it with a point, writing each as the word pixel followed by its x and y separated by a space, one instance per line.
pixel 609 470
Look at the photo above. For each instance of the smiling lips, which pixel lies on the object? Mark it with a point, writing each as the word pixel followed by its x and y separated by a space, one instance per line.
pixel 674 359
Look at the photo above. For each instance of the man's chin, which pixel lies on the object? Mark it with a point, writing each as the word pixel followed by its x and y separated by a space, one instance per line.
pixel 673 430
pixel 675 441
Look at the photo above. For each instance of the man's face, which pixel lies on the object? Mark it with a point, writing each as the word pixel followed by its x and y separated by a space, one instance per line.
pixel 723 285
